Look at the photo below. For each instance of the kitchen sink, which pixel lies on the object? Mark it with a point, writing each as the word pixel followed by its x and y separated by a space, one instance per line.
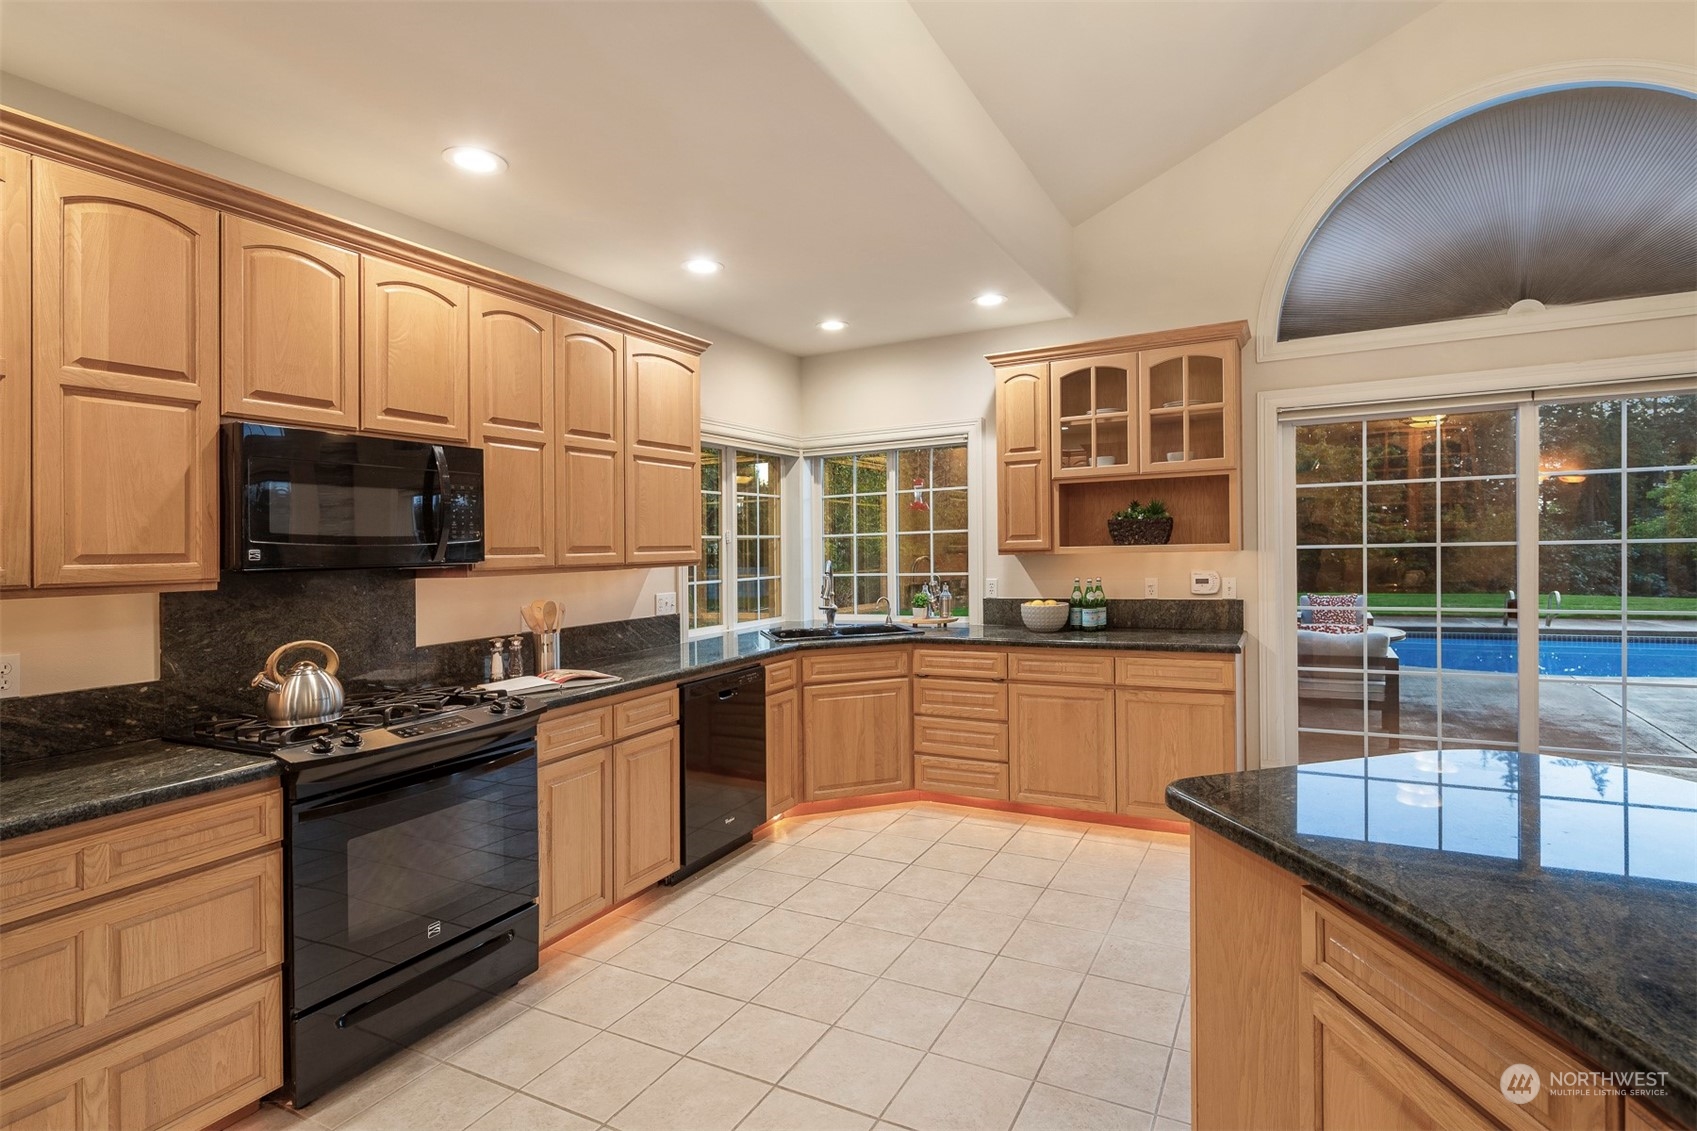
pixel 842 631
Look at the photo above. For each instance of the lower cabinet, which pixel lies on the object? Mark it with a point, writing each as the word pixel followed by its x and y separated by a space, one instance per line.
pixel 1061 745
pixel 646 823
pixel 858 737
pixel 783 750
pixel 967 777
pixel 574 798
pixel 1166 735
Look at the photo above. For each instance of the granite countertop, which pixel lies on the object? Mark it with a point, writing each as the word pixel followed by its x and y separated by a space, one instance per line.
pixel 1567 887
pixel 51 793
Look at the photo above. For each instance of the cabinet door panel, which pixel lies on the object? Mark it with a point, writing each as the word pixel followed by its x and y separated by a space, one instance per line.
pixel 1023 503
pixel 291 327
pixel 858 738
pixel 1166 735
pixel 14 370
pixel 662 456
pixel 663 511
pixel 591 363
pixel 1061 745
pixel 512 377
pixel 575 807
pixel 783 751
pixel 416 367
pixel 1191 407
pixel 125 369
pixel 646 835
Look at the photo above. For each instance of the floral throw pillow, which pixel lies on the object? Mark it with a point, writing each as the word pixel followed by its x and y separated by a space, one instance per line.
pixel 1338 614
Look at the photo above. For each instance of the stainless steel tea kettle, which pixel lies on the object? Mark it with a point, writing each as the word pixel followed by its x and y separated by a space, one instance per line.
pixel 307 693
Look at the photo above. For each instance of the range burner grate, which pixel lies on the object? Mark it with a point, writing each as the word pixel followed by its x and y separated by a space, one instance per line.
pixel 258 735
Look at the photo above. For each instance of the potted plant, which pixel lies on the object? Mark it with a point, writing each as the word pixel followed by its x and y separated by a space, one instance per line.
pixel 1142 525
pixel 921 604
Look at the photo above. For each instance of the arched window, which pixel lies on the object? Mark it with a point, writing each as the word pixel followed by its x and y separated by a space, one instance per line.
pixel 1555 197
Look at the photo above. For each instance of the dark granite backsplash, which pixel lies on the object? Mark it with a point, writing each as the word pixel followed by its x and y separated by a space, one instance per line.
pixel 211 644
pixel 1150 614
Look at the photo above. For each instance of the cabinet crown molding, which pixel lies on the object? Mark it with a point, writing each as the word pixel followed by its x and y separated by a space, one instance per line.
pixel 1129 343
pixel 73 147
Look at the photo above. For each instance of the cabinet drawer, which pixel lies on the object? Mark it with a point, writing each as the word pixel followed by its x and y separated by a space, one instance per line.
pixel 71 980
pixel 965 777
pixel 854 663
pixel 181 1073
pixel 1058 667
pixel 572 731
pixel 1466 1038
pixel 645 713
pixel 961 738
pixel 1191 673
pixel 961 663
pixel 961 699
pixel 46 871
pixel 782 675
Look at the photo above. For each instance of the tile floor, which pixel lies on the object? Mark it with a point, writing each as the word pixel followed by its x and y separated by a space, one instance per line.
pixel 925 966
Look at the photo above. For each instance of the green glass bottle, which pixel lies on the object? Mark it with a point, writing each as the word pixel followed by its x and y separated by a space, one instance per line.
pixel 1075 610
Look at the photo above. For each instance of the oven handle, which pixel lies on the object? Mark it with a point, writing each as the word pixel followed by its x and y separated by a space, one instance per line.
pixel 421 781
pixel 367 1010
pixel 439 461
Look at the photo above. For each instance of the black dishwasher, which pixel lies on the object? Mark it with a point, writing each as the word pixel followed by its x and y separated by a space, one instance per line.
pixel 724 765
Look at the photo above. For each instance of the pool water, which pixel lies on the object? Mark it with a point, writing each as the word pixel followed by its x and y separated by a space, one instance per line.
pixel 1647 657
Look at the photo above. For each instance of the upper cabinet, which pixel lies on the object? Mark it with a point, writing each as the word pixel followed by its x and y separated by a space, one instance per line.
pixel 14 370
pixel 125 288
pixel 1191 407
pixel 512 381
pixel 1022 467
pixel 1095 416
pixel 416 369
pixel 291 327
pixel 662 455
pixel 590 456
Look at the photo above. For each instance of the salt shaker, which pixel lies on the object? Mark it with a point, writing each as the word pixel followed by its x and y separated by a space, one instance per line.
pixel 494 665
pixel 515 656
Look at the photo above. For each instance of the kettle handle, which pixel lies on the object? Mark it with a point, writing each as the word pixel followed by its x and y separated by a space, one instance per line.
pixel 333 661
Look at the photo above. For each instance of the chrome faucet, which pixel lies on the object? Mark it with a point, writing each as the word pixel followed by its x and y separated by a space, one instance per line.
pixel 828 598
pixel 889 617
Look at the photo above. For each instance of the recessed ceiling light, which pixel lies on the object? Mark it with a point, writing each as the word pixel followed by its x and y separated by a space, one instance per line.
pixel 833 324
pixel 701 265
pixel 990 298
pixel 474 160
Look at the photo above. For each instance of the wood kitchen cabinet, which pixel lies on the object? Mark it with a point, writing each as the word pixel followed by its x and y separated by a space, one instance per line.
pixel 15 425
pixel 662 455
pixel 783 736
pixel 857 737
pixel 125 382
pixel 1095 417
pixel 1191 406
pixel 574 799
pixel 1164 735
pixel 415 368
pixel 291 327
pixel 513 386
pixel 646 831
pixel 590 444
pixel 1023 522
pixel 1061 745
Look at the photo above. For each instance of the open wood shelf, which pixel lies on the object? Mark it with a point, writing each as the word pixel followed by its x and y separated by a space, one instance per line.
pixel 1204 509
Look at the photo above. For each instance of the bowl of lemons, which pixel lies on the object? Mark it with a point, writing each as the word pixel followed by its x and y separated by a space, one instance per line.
pixel 1045 615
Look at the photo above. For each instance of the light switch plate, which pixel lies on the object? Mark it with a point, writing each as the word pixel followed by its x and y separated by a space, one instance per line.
pixel 1228 588
pixel 992 586
pixel 11 675
pixel 665 604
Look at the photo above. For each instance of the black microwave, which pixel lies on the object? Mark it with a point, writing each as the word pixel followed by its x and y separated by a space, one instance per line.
pixel 295 498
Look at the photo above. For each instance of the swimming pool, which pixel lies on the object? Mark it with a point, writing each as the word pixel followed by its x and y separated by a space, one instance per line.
pixel 1652 657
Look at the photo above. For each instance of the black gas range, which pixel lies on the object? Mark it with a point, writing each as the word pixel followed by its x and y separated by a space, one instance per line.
pixel 410 859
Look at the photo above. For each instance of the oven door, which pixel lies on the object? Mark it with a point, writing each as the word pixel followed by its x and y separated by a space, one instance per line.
pixel 385 872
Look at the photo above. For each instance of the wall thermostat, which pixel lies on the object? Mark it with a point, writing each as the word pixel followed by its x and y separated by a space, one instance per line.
pixel 1204 582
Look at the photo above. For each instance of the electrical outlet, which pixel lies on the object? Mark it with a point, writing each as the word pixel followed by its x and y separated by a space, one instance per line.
pixel 992 587
pixel 1151 587
pixel 11 675
pixel 1228 588
pixel 665 604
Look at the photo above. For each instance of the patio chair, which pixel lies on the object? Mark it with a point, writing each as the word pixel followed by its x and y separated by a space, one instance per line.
pixel 1334 632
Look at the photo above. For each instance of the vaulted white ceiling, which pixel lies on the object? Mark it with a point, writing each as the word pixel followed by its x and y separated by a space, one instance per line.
pixel 874 162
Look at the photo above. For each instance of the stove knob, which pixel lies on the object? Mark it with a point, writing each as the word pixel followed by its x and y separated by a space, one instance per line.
pixel 352 738
pixel 497 708
pixel 321 746
pixel 516 703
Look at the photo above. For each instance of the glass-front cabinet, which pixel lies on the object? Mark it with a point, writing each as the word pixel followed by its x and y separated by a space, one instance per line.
pixel 1189 396
pixel 1095 416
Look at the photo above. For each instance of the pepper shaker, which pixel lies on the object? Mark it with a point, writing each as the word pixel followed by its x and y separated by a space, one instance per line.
pixel 515 657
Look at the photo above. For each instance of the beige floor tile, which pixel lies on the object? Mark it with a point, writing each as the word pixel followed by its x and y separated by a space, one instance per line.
pixel 557 969
pixel 1030 841
pixel 902 914
pixel 1029 986
pixel 994 1037
pixel 736 970
pixel 803 860
pixel 1004 897
pixel 940 966
pixel 888 846
pixel 975 835
pixel 270 1117
pixel 760 1042
pixel 946 1095
pixel 1117 853
pixel 868 820
pixel 756 853
pixel 971 928
pixel 677 1018
pixel 443 1099
pixel 853 1071
pixel 1160 891
pixel 1175 1092
pixel 1166 866
pixel 1145 922
pixel 1118 1069
pixel 761 886
pixel 693 1096
pixel 1066 947
pixel 1147 964
pixel 602 1076
pixel 907 1015
pixel 522 1049
pixel 1181 1039
pixel 666 953
pixel 1069 909
pixel 928 883
pixel 718 917
pixel 527 1113
pixel 864 871
pixel 791 830
pixel 602 996
pixel 854 947
pixel 343 1103
pixel 1053 1109
pixel 787 932
pixel 814 990
pixel 606 937
pixel 662 905
pixel 828 900
pixel 923 826
pixel 1127 1009
pixel 1164 1124
pixel 839 839
pixel 1013 867
pixel 462 1031
pixel 1059 826
pixel 956 858
pixel 1109 881
pixel 792 1111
